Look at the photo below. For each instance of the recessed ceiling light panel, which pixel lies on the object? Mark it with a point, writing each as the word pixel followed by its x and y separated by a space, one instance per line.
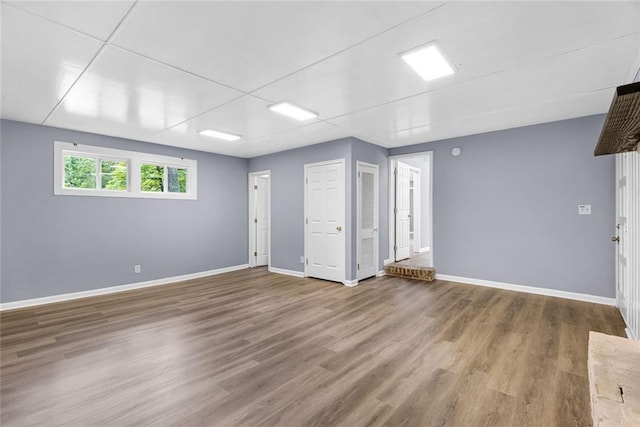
pixel 428 61
pixel 293 111
pixel 220 135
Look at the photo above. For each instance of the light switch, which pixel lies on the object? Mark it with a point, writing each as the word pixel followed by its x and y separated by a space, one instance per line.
pixel 584 209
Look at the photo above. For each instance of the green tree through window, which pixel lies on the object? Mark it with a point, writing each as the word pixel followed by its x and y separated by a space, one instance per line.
pixel 79 172
pixel 152 178
pixel 114 175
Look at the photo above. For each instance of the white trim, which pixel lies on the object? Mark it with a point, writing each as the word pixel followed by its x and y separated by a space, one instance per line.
pixel 134 160
pixel 350 283
pixel 415 213
pixel 387 261
pixel 392 196
pixel 286 272
pixel 529 289
pixel 376 216
pixel 115 289
pixel 423 250
pixel 380 273
pixel 251 260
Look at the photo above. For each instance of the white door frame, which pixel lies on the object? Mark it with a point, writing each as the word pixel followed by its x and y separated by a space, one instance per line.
pixel 415 213
pixel 250 217
pixel 628 245
pixel 343 219
pixel 392 196
pixel 376 221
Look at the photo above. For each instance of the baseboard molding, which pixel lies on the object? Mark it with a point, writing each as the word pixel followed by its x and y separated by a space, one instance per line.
pixel 350 283
pixel 529 289
pixel 423 250
pixel 286 272
pixel 380 273
pixel 114 289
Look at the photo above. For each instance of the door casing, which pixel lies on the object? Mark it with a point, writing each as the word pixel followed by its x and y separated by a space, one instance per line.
pixel 360 167
pixel 426 192
pixel 251 224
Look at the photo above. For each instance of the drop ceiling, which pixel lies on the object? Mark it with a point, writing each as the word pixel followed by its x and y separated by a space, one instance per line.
pixel 163 71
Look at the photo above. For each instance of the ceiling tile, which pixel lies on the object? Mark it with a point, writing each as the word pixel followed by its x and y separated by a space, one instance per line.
pixel 126 95
pixel 247 116
pixel 40 62
pixel 552 79
pixel 580 105
pixel 299 137
pixel 248 44
pixel 479 38
pixel 96 18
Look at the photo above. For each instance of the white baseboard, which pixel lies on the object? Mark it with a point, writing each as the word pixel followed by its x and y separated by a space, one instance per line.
pixel 423 250
pixel 529 289
pixel 286 272
pixel 114 289
pixel 380 273
pixel 350 283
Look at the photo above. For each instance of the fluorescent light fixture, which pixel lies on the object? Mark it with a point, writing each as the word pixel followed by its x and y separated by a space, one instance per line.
pixel 220 135
pixel 293 111
pixel 428 61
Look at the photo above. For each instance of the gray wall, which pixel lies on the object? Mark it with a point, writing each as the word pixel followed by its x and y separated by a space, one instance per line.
pixel 60 244
pixel 506 209
pixel 422 163
pixel 287 199
pixel 365 152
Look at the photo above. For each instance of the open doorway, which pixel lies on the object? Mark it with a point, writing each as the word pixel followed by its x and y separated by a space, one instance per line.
pixel 410 208
pixel 259 218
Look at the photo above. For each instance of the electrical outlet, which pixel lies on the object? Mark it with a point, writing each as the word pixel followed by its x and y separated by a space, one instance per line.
pixel 136 269
pixel 301 260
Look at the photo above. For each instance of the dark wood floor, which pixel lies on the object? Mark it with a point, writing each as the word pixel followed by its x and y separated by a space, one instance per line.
pixel 255 348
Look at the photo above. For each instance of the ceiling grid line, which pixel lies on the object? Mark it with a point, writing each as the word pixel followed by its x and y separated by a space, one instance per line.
pixel 105 44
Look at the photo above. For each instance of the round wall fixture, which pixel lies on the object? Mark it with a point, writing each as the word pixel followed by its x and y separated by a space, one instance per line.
pixel 455 151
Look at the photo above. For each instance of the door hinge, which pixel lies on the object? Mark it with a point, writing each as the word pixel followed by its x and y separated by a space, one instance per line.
pixel 395 210
pixel 306 180
pixel 395 249
pixel 358 174
pixel 255 187
pixel 306 220
pixel 255 220
pixel 307 261
pixel 255 254
pixel 395 171
pixel 358 266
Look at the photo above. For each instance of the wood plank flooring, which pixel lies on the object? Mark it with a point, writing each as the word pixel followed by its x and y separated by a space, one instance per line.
pixel 257 348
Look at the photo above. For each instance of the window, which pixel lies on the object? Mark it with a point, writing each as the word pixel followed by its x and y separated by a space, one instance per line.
pixel 95 171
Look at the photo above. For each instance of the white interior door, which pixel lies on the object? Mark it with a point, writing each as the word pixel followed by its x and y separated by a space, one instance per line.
pixel 262 216
pixel 368 210
pixel 621 229
pixel 628 240
pixel 402 210
pixel 259 218
pixel 325 215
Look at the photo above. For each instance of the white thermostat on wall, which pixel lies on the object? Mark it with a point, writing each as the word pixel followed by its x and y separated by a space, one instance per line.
pixel 584 209
pixel 455 151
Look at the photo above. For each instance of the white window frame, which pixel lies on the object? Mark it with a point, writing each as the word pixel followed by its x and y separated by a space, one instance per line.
pixel 134 161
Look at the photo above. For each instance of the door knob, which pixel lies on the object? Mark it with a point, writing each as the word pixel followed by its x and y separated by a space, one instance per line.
pixel 339 228
pixel 615 239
